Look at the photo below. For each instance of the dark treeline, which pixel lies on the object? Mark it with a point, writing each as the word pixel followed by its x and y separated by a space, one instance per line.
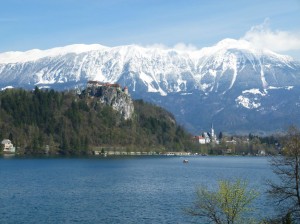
pixel 72 124
pixel 269 140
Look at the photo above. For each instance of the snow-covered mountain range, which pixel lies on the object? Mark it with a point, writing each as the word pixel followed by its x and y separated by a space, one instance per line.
pixel 233 84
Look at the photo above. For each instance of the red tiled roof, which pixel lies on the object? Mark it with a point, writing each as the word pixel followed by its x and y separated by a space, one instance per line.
pixel 199 137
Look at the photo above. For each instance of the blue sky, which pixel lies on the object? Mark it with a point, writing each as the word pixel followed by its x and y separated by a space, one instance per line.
pixel 42 24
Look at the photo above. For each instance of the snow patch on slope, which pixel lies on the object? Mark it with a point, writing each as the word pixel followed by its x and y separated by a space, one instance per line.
pixel 247 103
pixel 254 91
pixel 284 87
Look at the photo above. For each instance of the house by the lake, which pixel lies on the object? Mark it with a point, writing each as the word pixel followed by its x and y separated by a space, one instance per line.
pixel 7 146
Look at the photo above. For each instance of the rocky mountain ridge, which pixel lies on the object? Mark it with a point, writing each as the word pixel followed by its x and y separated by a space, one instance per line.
pixel 233 84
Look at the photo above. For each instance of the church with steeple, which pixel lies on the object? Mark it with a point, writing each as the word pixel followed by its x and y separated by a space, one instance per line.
pixel 213 137
pixel 207 137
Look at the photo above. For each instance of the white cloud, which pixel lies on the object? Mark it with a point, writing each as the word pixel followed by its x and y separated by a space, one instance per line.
pixel 279 41
pixel 184 47
pixel 178 47
pixel 159 46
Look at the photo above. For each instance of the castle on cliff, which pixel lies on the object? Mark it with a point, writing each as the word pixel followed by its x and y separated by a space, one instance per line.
pixel 91 84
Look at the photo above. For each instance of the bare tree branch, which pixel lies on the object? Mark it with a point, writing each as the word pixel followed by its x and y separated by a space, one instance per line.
pixel 286 191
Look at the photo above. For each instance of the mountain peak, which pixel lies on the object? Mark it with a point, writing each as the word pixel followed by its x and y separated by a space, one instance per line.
pixel 229 43
pixel 36 54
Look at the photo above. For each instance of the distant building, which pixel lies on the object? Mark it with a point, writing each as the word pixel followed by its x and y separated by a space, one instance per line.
pixel 231 142
pixel 125 90
pixel 200 139
pixel 206 137
pixel 262 152
pixel 7 146
pixel 213 136
pixel 95 84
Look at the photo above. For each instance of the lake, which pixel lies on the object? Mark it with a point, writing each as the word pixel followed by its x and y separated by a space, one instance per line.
pixel 150 189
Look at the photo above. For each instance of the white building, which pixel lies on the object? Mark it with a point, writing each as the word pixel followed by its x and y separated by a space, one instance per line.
pixel 8 147
pixel 262 152
pixel 213 136
pixel 200 139
pixel 207 137
pixel 231 142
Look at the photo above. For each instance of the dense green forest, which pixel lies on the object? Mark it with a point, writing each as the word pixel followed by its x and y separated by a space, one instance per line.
pixel 68 123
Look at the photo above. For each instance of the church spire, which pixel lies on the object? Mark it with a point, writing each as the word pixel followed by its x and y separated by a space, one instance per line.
pixel 212 130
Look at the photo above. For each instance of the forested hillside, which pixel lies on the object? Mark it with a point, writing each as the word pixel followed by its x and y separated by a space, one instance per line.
pixel 70 123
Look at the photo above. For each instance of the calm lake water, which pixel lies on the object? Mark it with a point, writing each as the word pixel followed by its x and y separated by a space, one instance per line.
pixel 117 190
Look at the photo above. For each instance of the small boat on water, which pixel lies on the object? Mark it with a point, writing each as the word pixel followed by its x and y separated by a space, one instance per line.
pixel 185 161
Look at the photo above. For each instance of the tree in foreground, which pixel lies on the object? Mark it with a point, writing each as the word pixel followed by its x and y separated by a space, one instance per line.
pixel 286 191
pixel 230 204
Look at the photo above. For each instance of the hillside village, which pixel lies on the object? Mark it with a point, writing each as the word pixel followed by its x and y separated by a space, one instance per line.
pixel 221 144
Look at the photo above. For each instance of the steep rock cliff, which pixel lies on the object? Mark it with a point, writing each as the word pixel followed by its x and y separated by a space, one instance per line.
pixel 113 96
